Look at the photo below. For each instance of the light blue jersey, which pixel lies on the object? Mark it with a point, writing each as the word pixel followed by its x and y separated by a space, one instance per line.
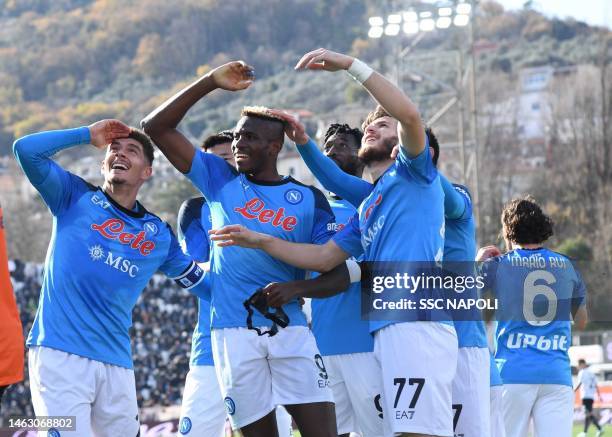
pixel 536 291
pixel 401 220
pixel 336 321
pixel 194 222
pixel 460 238
pixel 100 257
pixel 460 247
pixel 285 209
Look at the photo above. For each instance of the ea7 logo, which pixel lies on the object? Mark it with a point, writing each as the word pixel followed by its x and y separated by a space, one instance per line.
pixel 122 264
pixel 97 200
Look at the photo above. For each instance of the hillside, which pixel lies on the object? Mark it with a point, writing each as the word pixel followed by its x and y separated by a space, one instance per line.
pixel 70 62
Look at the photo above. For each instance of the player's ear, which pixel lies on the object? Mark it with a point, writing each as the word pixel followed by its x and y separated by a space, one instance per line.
pixel 102 167
pixel 147 172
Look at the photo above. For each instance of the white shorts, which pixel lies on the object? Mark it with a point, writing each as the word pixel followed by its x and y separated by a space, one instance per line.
pixel 497 412
pixel 256 373
pixel 550 405
pixel 418 361
pixel 471 393
pixel 102 397
pixel 202 410
pixel 356 385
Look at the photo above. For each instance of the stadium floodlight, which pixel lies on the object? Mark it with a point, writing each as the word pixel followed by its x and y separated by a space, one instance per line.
pixel 375 32
pixel 444 22
pixel 376 21
pixel 410 16
pixel 464 9
pixel 392 29
pixel 411 28
pixel 427 25
pixel 425 14
pixel 461 20
pixel 394 19
pixel 445 12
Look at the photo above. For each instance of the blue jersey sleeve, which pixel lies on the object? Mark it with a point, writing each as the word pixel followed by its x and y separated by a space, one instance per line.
pixel 579 294
pixel 183 270
pixel 58 188
pixel 324 219
pixel 192 235
pixel 420 167
pixel 349 237
pixel 457 204
pixel 209 173
pixel 347 186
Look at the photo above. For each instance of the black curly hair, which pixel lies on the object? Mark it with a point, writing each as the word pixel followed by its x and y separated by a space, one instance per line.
pixel 225 136
pixel 337 128
pixel 525 222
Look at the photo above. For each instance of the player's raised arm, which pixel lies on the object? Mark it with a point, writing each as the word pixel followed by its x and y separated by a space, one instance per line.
pixel 316 257
pixel 33 153
pixel 331 176
pixel 410 129
pixel 161 124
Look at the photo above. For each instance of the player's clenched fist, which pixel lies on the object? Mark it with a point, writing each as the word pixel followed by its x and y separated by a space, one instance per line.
pixel 237 235
pixel 323 59
pixel 104 132
pixel 233 76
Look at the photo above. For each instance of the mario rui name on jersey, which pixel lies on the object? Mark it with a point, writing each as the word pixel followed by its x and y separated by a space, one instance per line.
pixel 435 304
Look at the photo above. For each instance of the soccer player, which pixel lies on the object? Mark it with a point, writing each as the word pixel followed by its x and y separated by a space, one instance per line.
pixel 203 410
pixel 417 357
pixel 471 393
pixel 587 383
pixel 255 372
pixel 104 248
pixel 537 290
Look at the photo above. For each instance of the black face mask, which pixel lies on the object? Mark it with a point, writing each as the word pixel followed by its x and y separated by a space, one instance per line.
pixel 259 301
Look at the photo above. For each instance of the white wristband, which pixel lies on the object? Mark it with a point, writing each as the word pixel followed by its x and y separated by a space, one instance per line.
pixel 354 270
pixel 360 71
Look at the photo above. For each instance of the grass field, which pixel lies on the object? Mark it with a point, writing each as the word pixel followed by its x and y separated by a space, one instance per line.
pixel 592 431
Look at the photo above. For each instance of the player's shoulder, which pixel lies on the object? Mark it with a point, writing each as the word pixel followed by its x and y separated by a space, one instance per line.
pixel 192 205
pixel 319 199
pixel 463 190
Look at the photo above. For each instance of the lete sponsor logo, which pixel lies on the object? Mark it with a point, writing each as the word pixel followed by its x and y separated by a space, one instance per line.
pixel 256 209
pixel 113 230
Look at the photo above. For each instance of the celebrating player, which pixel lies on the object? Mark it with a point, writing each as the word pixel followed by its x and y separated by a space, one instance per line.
pixel 538 290
pixel 587 383
pixel 203 410
pixel 394 229
pixel 104 248
pixel 471 395
pixel 256 373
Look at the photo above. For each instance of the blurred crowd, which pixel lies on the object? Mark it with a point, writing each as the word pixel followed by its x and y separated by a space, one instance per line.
pixel 163 321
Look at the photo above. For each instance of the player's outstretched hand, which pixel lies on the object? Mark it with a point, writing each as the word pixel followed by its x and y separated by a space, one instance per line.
pixel 293 128
pixel 104 132
pixel 487 252
pixel 280 293
pixel 233 76
pixel 323 59
pixel 236 235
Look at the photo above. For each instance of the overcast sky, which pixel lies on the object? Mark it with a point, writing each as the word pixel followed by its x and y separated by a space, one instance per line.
pixel 598 12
